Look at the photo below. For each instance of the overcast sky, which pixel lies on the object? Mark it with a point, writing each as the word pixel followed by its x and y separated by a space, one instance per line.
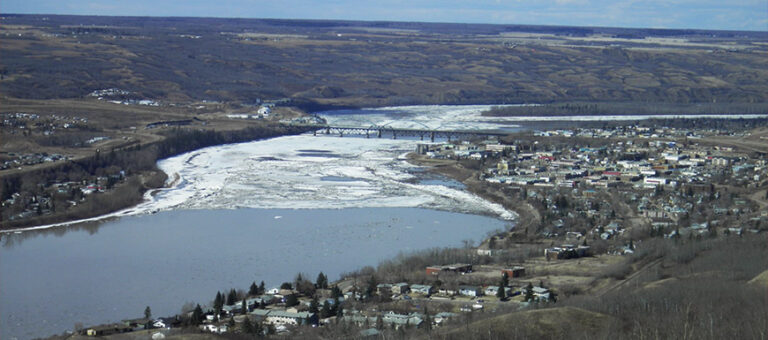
pixel 705 14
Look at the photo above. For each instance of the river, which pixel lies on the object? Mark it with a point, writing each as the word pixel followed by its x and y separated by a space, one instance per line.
pixel 239 213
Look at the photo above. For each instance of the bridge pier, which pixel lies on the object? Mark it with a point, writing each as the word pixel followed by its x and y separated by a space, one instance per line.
pixel 394 134
pixel 328 131
pixel 314 133
pixel 432 136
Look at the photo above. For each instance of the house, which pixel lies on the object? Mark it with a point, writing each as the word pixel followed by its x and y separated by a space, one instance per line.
pixel 434 270
pixel 422 289
pixel 540 293
pixel 566 251
pixel 278 317
pixel 470 291
pixel 516 271
pixel 142 323
pixel 400 288
pixel 234 308
pixel 383 289
pixel 214 328
pixel 441 317
pixel 493 290
pixel 109 329
pixel 455 268
pixel 446 291
pixel 260 300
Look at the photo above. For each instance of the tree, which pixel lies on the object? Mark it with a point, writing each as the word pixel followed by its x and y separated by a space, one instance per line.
pixel 370 290
pixel 326 310
pixel 322 281
pixel 291 300
pixel 197 315
pixel 243 307
pixel 336 292
pixel 286 285
pixel 314 305
pixel 147 313
pixel 218 302
pixel 253 290
pixel 529 292
pixel 262 288
pixel 501 293
pixel 427 320
pixel 231 297
pixel 379 323
pixel 247 326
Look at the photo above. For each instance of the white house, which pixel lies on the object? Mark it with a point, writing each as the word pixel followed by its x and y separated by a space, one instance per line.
pixel 470 290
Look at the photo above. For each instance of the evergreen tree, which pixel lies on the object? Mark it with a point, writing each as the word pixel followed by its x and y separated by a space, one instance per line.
pixel 340 311
pixel 247 326
pixel 370 290
pixel 147 313
pixel 336 292
pixel 231 322
pixel 253 290
pixel 291 300
pixel 529 292
pixel 197 315
pixel 231 297
pixel 322 281
pixel 427 320
pixel 504 280
pixel 243 307
pixel 262 288
pixel 501 293
pixel 314 305
pixel 218 302
pixel 326 310
pixel 258 329
pixel 379 323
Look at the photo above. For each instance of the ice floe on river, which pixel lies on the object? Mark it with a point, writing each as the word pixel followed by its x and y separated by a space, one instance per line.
pixel 307 172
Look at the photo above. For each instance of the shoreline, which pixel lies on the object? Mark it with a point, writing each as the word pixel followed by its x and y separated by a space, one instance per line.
pixel 173 179
pixel 144 179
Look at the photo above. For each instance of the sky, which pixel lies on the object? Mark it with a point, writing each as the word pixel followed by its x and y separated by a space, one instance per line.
pixel 749 15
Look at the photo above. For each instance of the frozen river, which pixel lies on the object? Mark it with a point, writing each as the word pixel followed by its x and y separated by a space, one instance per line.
pixel 262 210
pixel 237 213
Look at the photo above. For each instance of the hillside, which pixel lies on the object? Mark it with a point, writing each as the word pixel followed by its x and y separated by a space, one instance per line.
pixel 339 63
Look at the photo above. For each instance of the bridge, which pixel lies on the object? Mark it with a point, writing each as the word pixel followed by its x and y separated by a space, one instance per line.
pixel 387 131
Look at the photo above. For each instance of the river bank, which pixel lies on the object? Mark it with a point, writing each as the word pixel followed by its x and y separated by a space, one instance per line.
pixel 466 172
pixel 139 174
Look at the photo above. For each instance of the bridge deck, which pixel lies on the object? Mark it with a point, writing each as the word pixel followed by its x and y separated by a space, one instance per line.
pixel 379 131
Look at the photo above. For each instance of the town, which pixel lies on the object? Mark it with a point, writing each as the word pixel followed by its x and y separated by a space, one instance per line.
pixel 595 207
